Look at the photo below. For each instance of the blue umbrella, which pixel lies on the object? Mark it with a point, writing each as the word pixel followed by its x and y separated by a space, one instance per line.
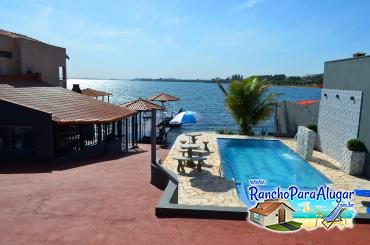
pixel 186 117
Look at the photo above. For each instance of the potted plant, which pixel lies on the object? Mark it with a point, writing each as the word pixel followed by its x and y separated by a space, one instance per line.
pixel 354 157
pixel 312 127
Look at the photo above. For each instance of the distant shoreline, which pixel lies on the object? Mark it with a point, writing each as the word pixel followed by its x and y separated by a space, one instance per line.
pixel 185 81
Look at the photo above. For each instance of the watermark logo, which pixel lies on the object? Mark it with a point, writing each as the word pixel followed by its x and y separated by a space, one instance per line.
pixel 293 192
pixel 257 182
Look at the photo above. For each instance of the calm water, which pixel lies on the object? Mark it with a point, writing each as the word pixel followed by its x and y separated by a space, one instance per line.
pixel 204 98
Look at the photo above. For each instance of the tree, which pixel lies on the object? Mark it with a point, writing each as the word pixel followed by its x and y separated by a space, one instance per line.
pixel 319 214
pixel 249 102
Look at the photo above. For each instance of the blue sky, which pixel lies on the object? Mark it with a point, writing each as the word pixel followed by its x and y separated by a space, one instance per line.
pixel 193 38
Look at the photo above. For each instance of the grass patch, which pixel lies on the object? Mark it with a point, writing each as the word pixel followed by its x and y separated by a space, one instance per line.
pixel 277 227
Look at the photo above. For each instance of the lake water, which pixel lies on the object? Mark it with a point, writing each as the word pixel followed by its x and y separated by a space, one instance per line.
pixel 204 98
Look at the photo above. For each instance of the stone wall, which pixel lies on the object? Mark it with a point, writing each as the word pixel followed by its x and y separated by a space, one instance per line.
pixel 306 139
pixel 339 119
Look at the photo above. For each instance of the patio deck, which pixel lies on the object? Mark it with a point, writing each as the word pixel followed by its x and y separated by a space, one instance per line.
pixel 110 201
pixel 208 188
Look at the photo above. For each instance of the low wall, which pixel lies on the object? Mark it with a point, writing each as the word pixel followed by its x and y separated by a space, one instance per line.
pixel 168 206
pixel 290 115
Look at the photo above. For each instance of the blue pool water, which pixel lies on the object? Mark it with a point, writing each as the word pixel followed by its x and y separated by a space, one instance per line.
pixel 271 160
pixel 248 159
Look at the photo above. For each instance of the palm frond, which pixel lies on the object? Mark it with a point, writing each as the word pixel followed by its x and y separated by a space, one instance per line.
pixel 221 87
pixel 249 101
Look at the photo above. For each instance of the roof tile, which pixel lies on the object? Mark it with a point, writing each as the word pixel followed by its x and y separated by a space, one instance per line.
pixel 142 105
pixel 163 97
pixel 65 106
pixel 266 208
pixel 94 93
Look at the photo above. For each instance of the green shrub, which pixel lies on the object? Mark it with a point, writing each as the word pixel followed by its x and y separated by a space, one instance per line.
pixel 221 131
pixel 224 131
pixel 313 127
pixel 356 145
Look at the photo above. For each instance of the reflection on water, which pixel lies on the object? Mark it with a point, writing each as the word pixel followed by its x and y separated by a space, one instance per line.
pixel 204 98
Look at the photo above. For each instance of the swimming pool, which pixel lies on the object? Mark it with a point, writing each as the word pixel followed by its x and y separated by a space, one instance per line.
pixel 246 159
pixel 243 160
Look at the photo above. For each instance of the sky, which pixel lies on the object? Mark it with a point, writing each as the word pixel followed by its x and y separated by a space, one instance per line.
pixel 192 39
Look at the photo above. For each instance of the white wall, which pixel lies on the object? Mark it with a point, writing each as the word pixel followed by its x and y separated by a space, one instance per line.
pixel 353 74
pixel 339 120
pixel 273 218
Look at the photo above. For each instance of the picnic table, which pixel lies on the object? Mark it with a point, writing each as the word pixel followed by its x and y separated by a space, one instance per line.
pixel 181 160
pixel 193 136
pixel 190 148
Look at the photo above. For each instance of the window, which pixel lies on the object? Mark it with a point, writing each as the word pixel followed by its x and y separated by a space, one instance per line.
pixel 6 54
pixel 16 138
pixel 256 216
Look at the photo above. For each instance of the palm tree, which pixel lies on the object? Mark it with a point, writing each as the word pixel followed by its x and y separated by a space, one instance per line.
pixel 319 214
pixel 249 102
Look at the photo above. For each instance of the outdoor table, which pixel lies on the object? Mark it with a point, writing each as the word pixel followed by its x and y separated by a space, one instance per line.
pixel 193 136
pixel 200 162
pixel 190 148
pixel 180 165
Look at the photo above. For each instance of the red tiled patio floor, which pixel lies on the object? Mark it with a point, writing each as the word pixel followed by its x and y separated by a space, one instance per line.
pixel 112 202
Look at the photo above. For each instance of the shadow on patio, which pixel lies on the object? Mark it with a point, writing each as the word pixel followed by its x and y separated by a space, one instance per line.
pixel 207 182
pixel 48 167
pixel 325 163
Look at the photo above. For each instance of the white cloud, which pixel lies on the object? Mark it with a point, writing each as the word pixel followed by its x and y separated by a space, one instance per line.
pixel 250 4
pixel 302 204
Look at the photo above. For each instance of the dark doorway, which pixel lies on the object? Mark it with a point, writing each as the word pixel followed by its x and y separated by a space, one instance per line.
pixel 281 215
